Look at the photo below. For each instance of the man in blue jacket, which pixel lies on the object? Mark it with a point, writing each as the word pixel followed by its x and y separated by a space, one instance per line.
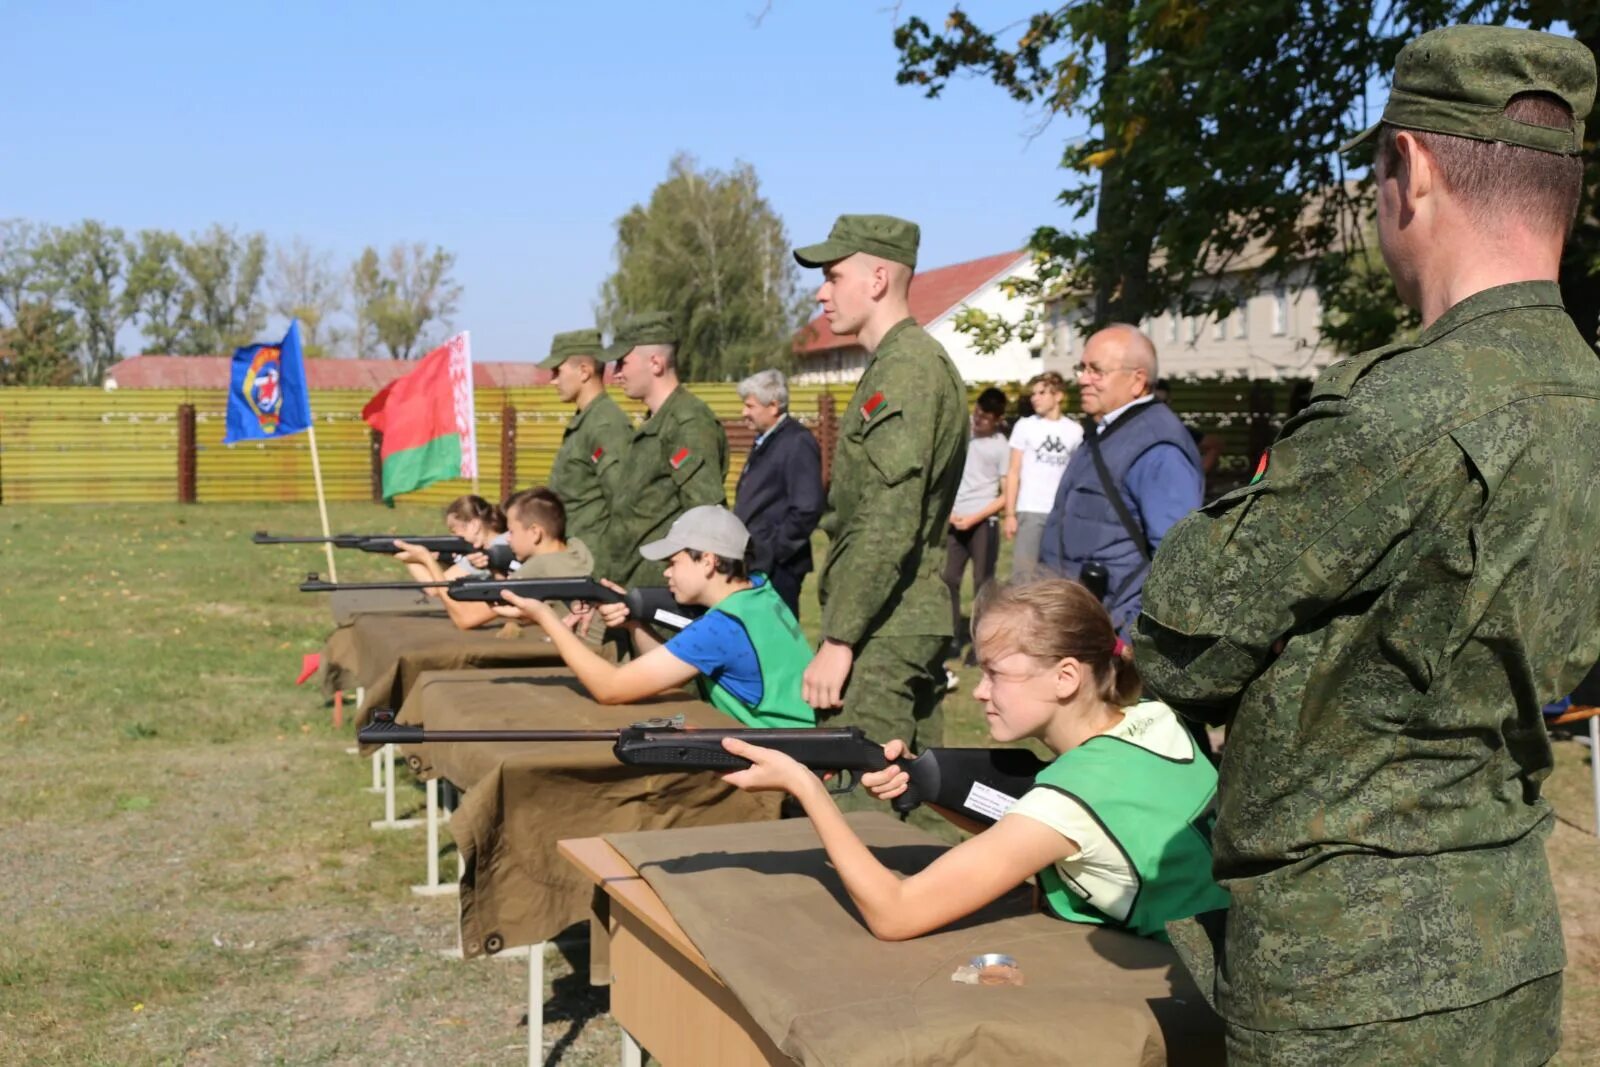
pixel 1146 454
pixel 779 497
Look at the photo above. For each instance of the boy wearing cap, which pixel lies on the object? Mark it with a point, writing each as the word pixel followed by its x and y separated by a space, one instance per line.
pixel 902 445
pixel 1381 613
pixel 677 459
pixel 594 439
pixel 745 654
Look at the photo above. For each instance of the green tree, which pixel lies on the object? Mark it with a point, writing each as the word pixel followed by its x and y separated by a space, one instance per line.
pixel 22 275
pixel 87 268
pixel 40 348
pixel 403 301
pixel 158 289
pixel 1212 134
pixel 303 285
pixel 709 247
pixel 222 307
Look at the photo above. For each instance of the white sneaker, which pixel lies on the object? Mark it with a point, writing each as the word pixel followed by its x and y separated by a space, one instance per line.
pixel 952 681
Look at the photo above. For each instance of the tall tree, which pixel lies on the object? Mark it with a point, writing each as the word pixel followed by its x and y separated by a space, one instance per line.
pixel 304 285
pixel 1212 142
pixel 40 348
pixel 22 275
pixel 158 289
pixel 709 247
pixel 222 305
pixel 403 300
pixel 87 265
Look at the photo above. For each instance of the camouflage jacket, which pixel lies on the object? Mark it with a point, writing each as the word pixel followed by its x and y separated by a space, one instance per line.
pixel 676 460
pixel 902 444
pixel 586 463
pixel 1379 617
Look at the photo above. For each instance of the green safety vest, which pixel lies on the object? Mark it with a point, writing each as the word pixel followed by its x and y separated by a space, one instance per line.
pixel 1158 812
pixel 782 653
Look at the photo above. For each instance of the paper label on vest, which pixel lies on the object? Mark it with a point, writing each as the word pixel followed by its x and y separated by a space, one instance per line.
pixel 671 618
pixel 987 801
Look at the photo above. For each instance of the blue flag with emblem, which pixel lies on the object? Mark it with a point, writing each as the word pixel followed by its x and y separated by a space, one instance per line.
pixel 267 394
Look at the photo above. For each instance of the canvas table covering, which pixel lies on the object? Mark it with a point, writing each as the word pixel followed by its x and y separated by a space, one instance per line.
pixel 773 921
pixel 522 798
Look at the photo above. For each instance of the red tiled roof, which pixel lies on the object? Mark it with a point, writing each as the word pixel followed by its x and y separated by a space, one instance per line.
pixel 211 372
pixel 933 294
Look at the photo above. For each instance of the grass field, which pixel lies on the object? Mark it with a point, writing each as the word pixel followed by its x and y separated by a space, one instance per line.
pixel 189 875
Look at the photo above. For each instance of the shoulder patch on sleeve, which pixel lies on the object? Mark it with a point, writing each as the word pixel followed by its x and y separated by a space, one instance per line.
pixel 1261 467
pixel 679 458
pixel 875 403
pixel 599 450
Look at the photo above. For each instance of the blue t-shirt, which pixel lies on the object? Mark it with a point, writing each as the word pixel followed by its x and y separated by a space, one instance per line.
pixel 717 646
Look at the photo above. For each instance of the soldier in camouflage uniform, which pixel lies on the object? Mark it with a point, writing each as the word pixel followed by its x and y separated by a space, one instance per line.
pixel 902 444
pixel 1380 614
pixel 594 440
pixel 677 459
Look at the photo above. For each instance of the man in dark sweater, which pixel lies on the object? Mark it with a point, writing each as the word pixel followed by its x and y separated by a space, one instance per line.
pixel 779 497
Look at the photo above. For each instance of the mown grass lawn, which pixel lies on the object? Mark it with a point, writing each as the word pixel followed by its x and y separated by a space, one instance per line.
pixel 189 875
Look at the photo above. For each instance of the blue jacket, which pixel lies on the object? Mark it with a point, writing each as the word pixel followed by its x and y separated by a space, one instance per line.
pixel 780 499
pixel 1152 457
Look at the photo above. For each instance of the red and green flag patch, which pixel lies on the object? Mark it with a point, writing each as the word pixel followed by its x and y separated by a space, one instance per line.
pixel 873 405
pixel 594 457
pixel 679 458
pixel 1261 467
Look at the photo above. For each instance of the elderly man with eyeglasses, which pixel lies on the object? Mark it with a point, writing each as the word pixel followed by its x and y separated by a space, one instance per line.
pixel 1136 474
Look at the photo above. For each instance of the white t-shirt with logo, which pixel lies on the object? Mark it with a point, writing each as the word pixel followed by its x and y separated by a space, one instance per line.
pixel 1045 446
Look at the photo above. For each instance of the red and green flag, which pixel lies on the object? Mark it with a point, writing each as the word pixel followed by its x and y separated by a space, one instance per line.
pixel 426 419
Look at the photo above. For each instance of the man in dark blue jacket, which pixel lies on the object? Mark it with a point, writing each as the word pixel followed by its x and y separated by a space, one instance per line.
pixel 779 497
pixel 1149 458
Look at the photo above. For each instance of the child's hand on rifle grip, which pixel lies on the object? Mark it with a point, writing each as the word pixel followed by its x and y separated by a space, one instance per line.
pixel 891 781
pixel 615 616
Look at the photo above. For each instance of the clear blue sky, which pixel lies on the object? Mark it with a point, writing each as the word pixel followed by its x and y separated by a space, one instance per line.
pixel 512 134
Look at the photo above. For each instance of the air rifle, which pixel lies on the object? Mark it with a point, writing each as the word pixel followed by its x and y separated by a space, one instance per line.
pixel 647 604
pixel 977 783
pixel 444 546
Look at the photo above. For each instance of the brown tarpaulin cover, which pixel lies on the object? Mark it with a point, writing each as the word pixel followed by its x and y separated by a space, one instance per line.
pixel 524 797
pixel 346 604
pixel 770 916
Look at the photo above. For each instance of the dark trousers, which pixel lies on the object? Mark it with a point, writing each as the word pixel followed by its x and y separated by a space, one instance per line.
pixel 980 546
pixel 787 585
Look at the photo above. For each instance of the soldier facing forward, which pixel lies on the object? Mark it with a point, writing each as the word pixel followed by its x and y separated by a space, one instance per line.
pixel 902 443
pixel 1381 613
pixel 676 460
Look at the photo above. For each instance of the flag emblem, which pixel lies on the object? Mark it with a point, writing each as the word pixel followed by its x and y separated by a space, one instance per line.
pixel 267 395
pixel 261 390
pixel 679 458
pixel 1261 467
pixel 594 457
pixel 873 405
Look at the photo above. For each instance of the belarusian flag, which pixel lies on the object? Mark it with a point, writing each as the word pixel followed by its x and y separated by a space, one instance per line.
pixel 426 419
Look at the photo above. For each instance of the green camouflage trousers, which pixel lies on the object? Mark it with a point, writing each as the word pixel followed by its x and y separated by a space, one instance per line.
pixel 1522 1026
pixel 894 691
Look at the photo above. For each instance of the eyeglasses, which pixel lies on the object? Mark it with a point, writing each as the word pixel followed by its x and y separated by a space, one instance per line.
pixel 1090 370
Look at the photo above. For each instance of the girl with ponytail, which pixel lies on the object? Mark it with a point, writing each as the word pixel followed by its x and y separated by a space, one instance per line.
pixel 1116 828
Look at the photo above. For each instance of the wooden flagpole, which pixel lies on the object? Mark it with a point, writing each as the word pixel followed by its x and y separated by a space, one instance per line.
pixel 322 498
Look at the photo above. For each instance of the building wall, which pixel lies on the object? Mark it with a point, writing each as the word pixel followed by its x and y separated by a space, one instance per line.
pixel 1015 361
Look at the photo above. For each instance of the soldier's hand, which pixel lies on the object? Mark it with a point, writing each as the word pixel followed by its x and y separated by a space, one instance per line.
pixel 823 683
pixel 1010 527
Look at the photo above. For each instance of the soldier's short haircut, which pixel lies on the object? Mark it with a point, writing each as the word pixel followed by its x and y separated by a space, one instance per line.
pixel 1494 179
pixel 768 387
pixel 541 507
pixel 1050 379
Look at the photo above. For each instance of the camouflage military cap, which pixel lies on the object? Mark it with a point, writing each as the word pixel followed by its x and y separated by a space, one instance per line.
pixel 1458 79
pixel 645 328
pixel 563 346
pixel 877 235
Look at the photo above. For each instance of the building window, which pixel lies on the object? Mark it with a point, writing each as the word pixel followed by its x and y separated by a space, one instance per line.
pixel 1172 325
pixel 1219 329
pixel 1241 320
pixel 1194 328
pixel 1280 312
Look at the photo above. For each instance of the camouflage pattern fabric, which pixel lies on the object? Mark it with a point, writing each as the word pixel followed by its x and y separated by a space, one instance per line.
pixel 676 460
pixel 586 464
pixel 1378 618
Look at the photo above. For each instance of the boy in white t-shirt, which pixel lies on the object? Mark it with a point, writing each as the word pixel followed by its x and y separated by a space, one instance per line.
pixel 1041 444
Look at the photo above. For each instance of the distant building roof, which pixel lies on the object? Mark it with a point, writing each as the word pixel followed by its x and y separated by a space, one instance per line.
pixel 211 372
pixel 934 294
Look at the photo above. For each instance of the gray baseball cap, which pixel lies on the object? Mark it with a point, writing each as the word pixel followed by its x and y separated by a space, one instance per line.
pixel 707 528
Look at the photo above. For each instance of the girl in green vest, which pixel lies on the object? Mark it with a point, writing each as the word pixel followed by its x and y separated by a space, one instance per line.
pixel 1117 828
pixel 746 654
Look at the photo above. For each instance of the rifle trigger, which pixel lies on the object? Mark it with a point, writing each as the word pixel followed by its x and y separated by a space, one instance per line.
pixel 847 783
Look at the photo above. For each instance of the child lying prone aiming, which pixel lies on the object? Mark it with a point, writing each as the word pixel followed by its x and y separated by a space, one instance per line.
pixel 1116 828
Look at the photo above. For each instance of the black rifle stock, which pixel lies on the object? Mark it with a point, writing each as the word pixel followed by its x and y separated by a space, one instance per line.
pixel 650 604
pixel 977 783
pixel 444 546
